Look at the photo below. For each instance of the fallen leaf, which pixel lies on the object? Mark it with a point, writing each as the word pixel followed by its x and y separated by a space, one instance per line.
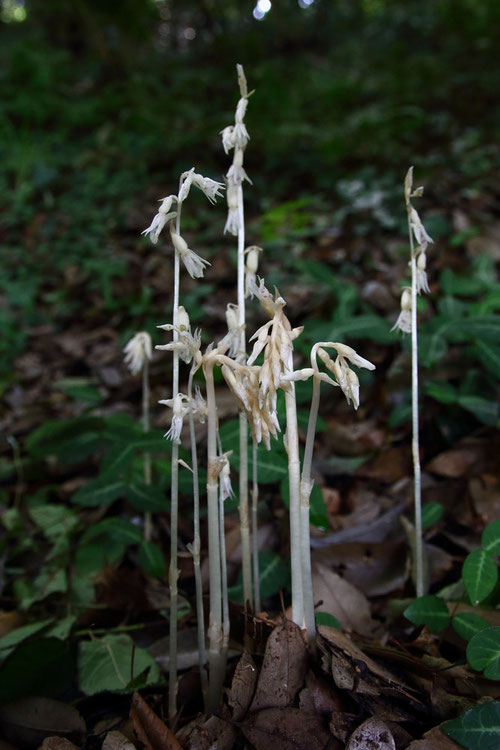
pixel 243 686
pixel 58 743
pixel 212 733
pixel 115 740
pixel 434 739
pixel 150 729
pixel 283 669
pixel 372 733
pixel 288 729
pixel 342 600
pixel 374 568
pixel 29 721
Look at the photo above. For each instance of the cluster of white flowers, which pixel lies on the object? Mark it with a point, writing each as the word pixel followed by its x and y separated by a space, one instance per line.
pixel 236 137
pixel 138 351
pixel 344 376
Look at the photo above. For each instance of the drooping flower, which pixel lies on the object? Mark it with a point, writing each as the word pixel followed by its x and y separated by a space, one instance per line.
pixel 421 280
pixel 195 265
pixel 179 406
pixel 233 217
pixel 210 188
pixel 344 376
pixel 251 268
pixel 138 350
pixel 403 323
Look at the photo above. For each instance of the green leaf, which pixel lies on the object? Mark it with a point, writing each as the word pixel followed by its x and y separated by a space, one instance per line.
pixel 274 575
pixel 151 559
pixel 325 618
pixel 428 610
pixel 441 391
pixel 106 664
pixel 117 460
pixel 478 728
pixel 54 520
pixel 485 410
pixel 480 575
pixel 62 628
pixel 490 540
pixel 41 667
pixel 100 491
pixel 485 328
pixel 92 557
pixel 146 497
pixel 489 355
pixel 70 439
pixel 9 642
pixel 483 652
pixel 431 513
pixel 467 624
pixel 116 529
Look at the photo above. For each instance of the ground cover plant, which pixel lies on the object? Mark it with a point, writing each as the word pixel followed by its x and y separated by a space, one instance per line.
pixel 102 599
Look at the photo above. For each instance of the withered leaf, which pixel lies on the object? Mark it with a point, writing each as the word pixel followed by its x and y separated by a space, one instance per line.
pixel 434 740
pixel 288 729
pixel 115 740
pixel 212 733
pixel 57 743
pixel 341 599
pixel 283 669
pixel 150 729
pixel 29 721
pixel 243 686
pixel 372 733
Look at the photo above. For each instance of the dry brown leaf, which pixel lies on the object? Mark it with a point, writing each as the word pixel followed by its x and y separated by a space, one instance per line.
pixel 283 669
pixel 372 733
pixel 288 729
pixel 434 740
pixel 29 721
pixel 212 733
pixel 243 686
pixel 374 568
pixel 319 695
pixel 150 729
pixel 115 740
pixel 57 743
pixel 342 600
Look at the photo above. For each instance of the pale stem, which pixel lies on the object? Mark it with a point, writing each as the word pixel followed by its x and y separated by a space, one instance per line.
pixel 255 536
pixel 148 524
pixel 292 447
pixel 174 501
pixel 243 477
pixel 200 617
pixel 305 494
pixel 419 553
pixel 223 567
pixel 216 661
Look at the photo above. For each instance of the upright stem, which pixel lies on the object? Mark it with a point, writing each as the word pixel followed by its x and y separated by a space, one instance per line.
pixel 196 549
pixel 255 531
pixel 243 483
pixel 419 555
pixel 174 503
pixel 148 526
pixel 306 486
pixel 292 447
pixel 223 564
pixel 216 660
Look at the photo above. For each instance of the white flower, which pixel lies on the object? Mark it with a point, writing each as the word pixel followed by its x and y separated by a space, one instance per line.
pixel 209 187
pixel 138 351
pixel 344 376
pixel 251 267
pixel 179 411
pixel 187 181
pixel 224 476
pixel 227 138
pixel 421 279
pixel 418 228
pixel 233 217
pixel 199 406
pixel 236 173
pixel 195 265
pixel 403 323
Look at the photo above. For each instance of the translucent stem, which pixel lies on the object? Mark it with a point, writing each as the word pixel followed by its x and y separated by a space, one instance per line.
pixel 196 549
pixel 243 483
pixel 306 486
pixel 174 503
pixel 255 530
pixel 415 445
pixel 148 524
pixel 292 447
pixel 215 656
